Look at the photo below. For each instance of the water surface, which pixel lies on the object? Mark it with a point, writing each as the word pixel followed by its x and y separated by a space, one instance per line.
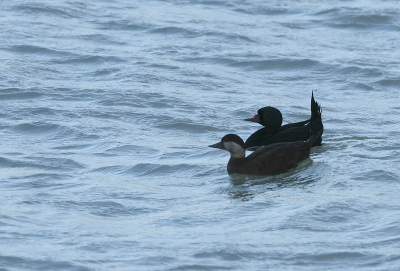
pixel 107 109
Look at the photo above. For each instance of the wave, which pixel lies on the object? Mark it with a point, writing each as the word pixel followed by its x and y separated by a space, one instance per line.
pixel 158 170
pixel 42 163
pixel 19 94
pixel 351 18
pixel 20 263
pixel 52 10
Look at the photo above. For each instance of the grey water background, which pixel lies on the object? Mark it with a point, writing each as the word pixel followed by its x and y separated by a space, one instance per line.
pixel 107 109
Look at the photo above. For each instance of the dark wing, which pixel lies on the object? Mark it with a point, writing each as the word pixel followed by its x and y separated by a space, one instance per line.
pixel 261 137
pixel 265 149
pixel 300 133
pixel 279 158
pixel 294 125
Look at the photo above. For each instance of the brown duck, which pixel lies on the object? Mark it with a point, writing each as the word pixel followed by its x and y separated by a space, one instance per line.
pixel 269 160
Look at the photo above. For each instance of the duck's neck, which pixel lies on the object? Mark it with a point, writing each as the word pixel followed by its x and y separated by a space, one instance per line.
pixel 238 154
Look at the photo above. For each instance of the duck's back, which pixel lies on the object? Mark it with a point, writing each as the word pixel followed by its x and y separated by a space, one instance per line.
pixel 273 159
pixel 264 137
pixel 287 133
pixel 261 137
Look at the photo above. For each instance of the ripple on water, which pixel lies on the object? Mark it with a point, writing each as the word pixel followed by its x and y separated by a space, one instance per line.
pixel 379 175
pixel 171 30
pixel 136 150
pixel 89 59
pixel 5 162
pixel 37 127
pixel 34 131
pixel 352 19
pixel 189 127
pixel 20 263
pixel 100 38
pixel 264 10
pixel 126 25
pixel 220 254
pixel 283 64
pixel 48 10
pixel 104 208
pixel 41 180
pixel 330 217
pixel 39 51
pixel 389 83
pixel 110 169
pixel 43 163
pixel 73 147
pixel 154 170
pixel 337 259
pixel 360 72
pixel 19 94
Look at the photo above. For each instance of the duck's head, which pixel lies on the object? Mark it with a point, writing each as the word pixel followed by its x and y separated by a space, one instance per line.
pixel 233 144
pixel 268 116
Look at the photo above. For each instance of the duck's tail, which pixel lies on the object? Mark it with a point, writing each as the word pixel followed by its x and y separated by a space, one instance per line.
pixel 316 110
pixel 315 139
pixel 316 125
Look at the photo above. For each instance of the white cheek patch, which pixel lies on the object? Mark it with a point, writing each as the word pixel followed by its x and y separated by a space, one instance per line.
pixel 235 149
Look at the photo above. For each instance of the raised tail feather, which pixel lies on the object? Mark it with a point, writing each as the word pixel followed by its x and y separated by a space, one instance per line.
pixel 316 109
pixel 316 125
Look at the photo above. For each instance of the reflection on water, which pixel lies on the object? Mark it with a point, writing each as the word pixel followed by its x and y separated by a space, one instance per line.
pixel 245 187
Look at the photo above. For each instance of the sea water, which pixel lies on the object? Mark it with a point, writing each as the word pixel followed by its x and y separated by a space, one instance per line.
pixel 107 109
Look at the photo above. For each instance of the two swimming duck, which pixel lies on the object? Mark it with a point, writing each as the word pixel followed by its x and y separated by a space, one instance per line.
pixel 278 148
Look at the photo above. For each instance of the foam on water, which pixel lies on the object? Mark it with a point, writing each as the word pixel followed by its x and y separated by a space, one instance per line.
pixel 107 109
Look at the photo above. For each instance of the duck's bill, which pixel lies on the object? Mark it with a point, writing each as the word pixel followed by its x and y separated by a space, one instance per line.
pixel 255 118
pixel 216 145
